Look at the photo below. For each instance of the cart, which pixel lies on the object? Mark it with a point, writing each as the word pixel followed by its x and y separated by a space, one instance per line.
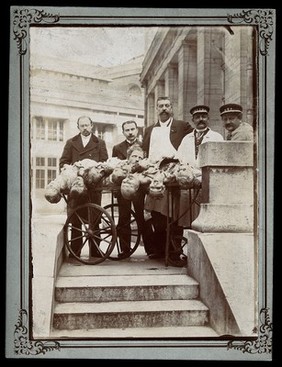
pixel 91 226
pixel 94 226
pixel 172 191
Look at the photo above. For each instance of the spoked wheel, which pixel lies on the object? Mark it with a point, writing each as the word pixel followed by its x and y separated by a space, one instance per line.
pixel 90 234
pixel 128 234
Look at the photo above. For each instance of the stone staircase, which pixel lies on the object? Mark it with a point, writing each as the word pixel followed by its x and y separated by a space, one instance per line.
pixel 135 297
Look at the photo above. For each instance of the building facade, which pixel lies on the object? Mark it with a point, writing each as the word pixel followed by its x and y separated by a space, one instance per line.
pixel 60 92
pixel 201 65
pixel 210 65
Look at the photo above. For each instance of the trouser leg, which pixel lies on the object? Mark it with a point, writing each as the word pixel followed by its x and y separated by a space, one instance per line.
pixel 160 227
pixel 76 235
pixel 123 225
pixel 159 237
pixel 145 227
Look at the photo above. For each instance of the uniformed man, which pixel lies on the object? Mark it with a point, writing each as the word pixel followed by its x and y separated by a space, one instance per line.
pixel 189 147
pixel 237 130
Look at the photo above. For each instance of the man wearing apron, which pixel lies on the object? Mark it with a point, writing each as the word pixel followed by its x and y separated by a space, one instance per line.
pixel 162 140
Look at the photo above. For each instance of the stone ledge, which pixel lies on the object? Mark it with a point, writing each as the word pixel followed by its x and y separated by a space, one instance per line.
pixel 236 218
pixel 226 154
pixel 224 265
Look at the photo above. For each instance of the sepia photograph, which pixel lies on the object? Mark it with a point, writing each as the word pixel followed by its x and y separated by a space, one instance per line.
pixel 140 187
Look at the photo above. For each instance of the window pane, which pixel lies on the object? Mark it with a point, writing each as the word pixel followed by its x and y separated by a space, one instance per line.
pixel 51 175
pixel 40 128
pixel 52 162
pixel 61 131
pixel 40 161
pixel 40 179
pixel 52 130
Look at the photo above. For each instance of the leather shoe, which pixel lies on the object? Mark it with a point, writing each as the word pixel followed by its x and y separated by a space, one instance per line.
pixel 155 256
pixel 73 260
pixel 123 254
pixel 179 262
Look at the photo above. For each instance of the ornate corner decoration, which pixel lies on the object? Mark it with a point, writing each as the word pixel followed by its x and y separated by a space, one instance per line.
pixel 262 18
pixel 23 18
pixel 25 346
pixel 263 344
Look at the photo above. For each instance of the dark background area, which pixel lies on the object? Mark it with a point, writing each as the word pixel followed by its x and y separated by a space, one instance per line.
pixel 5 38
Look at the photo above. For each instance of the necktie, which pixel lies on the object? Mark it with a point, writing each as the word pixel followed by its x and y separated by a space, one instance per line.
pixel 199 135
pixel 229 135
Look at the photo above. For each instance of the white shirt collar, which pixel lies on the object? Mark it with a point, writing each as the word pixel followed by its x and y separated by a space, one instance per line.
pixel 201 130
pixel 85 139
pixel 129 142
pixel 165 123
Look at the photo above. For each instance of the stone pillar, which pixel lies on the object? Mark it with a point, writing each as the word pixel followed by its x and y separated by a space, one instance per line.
pixel 159 92
pixel 227 188
pixel 183 66
pixel 171 82
pixel 146 117
pixel 150 109
pixel 250 78
pixel 187 76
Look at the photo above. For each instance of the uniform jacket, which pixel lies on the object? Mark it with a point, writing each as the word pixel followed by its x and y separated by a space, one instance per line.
pixel 75 151
pixel 244 132
pixel 186 150
pixel 120 150
pixel 178 129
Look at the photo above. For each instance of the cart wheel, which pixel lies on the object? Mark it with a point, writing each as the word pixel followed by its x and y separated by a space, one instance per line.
pixel 90 234
pixel 129 230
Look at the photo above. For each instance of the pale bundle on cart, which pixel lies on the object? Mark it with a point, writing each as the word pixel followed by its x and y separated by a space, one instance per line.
pixel 75 182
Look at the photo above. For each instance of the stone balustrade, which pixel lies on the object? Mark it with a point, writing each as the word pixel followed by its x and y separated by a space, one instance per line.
pixel 222 249
pixel 228 191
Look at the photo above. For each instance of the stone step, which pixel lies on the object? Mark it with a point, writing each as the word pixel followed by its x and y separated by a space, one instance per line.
pixel 166 332
pixel 130 314
pixel 129 288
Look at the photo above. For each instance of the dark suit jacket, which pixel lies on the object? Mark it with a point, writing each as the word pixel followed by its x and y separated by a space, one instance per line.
pixel 120 150
pixel 75 151
pixel 178 129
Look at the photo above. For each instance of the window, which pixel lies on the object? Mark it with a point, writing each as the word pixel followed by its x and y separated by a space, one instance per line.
pixel 40 178
pixel 51 169
pixel 46 170
pixel 40 129
pixel 52 130
pixel 48 129
pixel 99 130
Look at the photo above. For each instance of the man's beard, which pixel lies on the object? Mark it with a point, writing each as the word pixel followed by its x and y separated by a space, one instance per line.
pixel 86 133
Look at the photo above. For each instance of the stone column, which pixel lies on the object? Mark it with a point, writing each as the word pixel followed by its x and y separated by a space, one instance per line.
pixel 227 188
pixel 187 79
pixel 171 82
pixel 183 66
pixel 159 92
pixel 150 109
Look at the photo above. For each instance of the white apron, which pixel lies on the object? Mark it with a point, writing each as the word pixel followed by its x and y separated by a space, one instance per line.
pixel 160 144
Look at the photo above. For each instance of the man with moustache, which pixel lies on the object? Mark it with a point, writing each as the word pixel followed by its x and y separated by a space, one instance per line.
pixel 130 149
pixel 237 130
pixel 189 147
pixel 164 137
pixel 162 140
pixel 188 152
pixel 84 145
